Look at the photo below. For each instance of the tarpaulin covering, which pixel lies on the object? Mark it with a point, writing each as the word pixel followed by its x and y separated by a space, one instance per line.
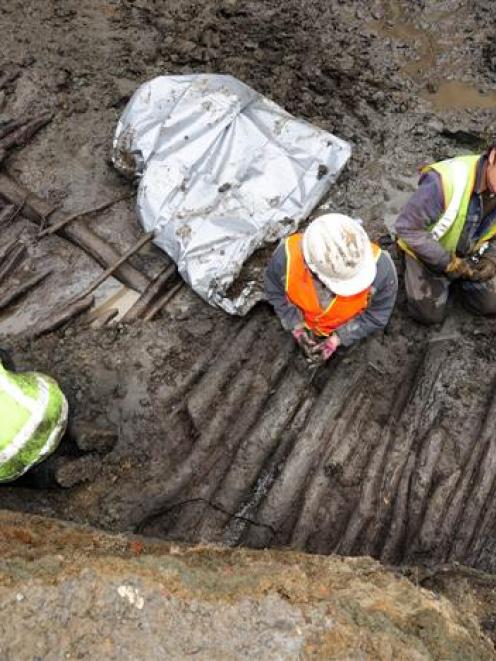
pixel 224 171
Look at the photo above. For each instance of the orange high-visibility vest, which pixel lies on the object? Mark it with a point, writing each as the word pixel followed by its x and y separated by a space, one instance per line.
pixel 301 291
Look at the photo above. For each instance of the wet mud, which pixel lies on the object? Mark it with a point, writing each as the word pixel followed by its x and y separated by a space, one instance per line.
pixel 220 434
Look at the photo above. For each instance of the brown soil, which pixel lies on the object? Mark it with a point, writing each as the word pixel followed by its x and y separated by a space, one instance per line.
pixel 68 592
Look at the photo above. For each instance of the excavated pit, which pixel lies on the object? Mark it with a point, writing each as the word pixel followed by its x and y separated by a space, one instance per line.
pixel 217 431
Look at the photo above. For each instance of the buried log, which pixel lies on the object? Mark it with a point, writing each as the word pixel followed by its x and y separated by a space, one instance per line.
pixel 98 318
pixel 21 135
pixel 81 236
pixel 146 238
pixel 7 214
pixel 105 318
pixel 8 76
pixel 9 247
pixel 12 261
pixel 9 126
pixel 162 301
pixel 61 317
pixel 156 286
pixel 23 288
pixel 55 227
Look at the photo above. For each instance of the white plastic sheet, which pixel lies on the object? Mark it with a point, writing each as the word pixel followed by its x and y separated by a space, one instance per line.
pixel 224 171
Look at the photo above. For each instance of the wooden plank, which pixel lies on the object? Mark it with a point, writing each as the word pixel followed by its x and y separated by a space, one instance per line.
pixel 35 208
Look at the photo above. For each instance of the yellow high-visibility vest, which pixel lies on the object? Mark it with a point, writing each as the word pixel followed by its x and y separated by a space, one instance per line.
pixel 458 177
pixel 33 418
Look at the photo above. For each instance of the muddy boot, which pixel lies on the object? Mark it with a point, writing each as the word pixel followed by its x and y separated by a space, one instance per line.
pixel 6 360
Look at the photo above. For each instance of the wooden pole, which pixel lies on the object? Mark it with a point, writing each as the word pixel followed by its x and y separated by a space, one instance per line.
pixel 9 246
pixel 12 261
pixel 60 317
pixel 21 135
pixel 163 301
pixel 158 284
pixel 24 288
pixel 146 238
pixel 105 318
pixel 55 227
pixel 80 235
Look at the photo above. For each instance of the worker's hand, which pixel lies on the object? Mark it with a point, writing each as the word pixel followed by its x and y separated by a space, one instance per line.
pixel 326 348
pixel 330 346
pixel 305 340
pixel 460 268
pixel 484 270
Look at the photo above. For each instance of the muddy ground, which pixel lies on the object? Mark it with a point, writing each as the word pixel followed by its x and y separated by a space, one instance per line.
pixel 217 431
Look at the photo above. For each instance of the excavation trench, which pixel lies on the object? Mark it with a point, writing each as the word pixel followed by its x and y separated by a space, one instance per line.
pixel 199 427
pixel 388 451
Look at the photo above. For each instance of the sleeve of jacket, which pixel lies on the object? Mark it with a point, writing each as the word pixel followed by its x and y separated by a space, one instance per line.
pixel 275 290
pixel 376 316
pixel 423 209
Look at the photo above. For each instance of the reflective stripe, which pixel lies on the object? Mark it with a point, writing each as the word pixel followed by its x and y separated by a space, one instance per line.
pixel 16 393
pixel 458 176
pixel 57 432
pixel 37 408
pixel 288 263
pixel 459 172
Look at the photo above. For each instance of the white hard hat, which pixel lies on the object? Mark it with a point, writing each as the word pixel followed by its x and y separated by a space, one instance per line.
pixel 337 249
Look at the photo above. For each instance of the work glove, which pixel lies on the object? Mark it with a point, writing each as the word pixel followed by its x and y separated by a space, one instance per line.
pixel 305 340
pixel 460 268
pixel 484 270
pixel 324 350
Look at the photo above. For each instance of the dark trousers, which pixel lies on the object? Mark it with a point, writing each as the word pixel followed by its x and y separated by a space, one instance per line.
pixel 427 293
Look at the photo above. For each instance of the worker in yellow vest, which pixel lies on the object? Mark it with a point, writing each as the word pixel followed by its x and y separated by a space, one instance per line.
pixel 446 231
pixel 33 418
pixel 330 286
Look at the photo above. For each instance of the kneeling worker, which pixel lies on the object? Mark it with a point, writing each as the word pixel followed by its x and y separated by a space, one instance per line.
pixel 446 231
pixel 33 418
pixel 330 286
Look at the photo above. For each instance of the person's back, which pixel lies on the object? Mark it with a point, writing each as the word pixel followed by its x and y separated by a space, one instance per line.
pixel 33 418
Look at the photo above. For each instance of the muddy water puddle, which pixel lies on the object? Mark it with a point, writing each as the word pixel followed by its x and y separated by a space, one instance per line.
pixel 454 94
pixel 396 26
pixel 424 38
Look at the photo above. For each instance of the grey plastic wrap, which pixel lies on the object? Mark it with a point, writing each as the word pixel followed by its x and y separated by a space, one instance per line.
pixel 223 171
